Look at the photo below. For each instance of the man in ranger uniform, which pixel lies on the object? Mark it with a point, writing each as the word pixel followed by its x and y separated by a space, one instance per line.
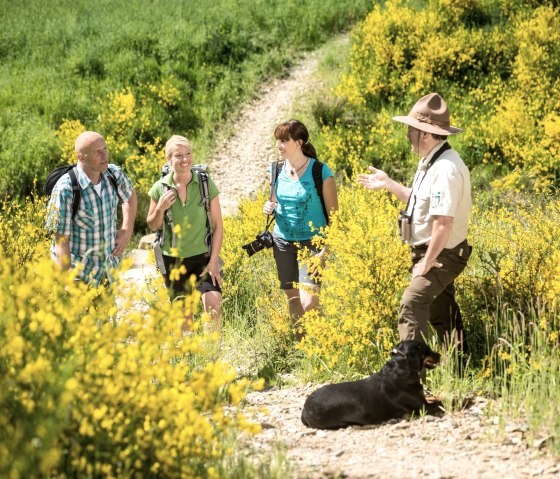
pixel 434 223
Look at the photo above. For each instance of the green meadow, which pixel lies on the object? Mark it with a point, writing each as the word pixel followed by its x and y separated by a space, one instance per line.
pixel 60 60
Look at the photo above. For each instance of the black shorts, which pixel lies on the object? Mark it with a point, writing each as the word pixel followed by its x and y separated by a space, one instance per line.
pixel 290 270
pixel 194 265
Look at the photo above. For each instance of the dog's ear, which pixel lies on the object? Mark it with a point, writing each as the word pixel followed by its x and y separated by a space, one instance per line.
pixel 430 359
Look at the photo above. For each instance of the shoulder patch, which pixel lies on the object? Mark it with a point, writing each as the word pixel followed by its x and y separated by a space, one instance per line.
pixel 436 198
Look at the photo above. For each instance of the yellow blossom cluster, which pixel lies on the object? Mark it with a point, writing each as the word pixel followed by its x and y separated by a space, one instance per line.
pixel 363 281
pixel 22 230
pixel 67 132
pixel 134 123
pixel 100 382
pixel 251 284
pixel 515 258
pixel 496 64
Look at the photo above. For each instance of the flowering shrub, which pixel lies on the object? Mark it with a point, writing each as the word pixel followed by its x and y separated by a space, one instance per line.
pixel 496 64
pixel 67 132
pixel 23 237
pixel 91 387
pixel 133 123
pixel 251 283
pixel 514 259
pixel 363 280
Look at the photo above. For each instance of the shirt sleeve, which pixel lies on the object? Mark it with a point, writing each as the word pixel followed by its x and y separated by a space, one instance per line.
pixel 327 172
pixel 155 191
pixel 59 209
pixel 445 191
pixel 212 189
pixel 123 182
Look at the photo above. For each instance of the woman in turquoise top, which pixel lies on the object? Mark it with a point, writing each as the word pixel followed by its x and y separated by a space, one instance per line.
pixel 299 213
pixel 179 191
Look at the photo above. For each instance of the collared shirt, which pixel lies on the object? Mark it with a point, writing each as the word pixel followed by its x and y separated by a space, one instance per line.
pixel 442 190
pixel 92 231
pixel 190 216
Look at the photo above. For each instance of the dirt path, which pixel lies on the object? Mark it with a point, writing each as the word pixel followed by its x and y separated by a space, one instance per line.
pixel 448 446
pixel 240 163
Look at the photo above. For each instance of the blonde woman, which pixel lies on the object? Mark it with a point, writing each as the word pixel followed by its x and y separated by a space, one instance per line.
pixel 179 193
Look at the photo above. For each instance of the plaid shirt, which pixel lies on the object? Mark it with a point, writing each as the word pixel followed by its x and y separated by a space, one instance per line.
pixel 93 230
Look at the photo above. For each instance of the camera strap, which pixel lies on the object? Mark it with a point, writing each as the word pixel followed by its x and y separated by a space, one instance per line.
pixel 269 222
pixel 446 146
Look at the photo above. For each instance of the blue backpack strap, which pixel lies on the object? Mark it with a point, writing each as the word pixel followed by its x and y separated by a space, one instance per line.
pixel 317 172
pixel 76 191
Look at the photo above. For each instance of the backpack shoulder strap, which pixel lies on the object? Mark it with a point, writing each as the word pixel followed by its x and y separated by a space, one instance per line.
pixel 114 184
pixel 76 191
pixel 204 190
pixel 317 172
pixel 167 217
pixel 275 168
pixel 205 200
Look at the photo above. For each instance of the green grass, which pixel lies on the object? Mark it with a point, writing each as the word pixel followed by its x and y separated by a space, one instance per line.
pixel 58 60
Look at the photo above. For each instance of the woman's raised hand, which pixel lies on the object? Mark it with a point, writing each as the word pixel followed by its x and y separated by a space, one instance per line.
pixel 269 207
pixel 166 200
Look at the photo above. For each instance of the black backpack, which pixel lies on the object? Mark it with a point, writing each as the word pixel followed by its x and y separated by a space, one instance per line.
pixel 316 172
pixel 57 173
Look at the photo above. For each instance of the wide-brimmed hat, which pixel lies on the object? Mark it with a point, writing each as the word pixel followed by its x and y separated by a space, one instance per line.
pixel 430 114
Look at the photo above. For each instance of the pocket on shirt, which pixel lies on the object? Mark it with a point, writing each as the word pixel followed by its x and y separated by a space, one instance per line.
pixel 84 219
pixel 421 208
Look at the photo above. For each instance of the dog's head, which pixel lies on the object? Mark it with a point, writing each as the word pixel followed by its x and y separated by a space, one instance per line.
pixel 417 354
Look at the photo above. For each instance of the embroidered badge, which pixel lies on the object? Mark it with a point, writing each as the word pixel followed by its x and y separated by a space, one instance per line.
pixel 436 199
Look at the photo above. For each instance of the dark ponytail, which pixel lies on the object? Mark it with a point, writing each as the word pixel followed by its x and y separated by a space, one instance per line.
pixel 296 130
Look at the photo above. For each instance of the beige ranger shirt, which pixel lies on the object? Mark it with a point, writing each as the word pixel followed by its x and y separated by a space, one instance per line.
pixel 444 189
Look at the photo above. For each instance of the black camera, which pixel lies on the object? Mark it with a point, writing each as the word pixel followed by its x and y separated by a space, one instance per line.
pixel 405 226
pixel 262 241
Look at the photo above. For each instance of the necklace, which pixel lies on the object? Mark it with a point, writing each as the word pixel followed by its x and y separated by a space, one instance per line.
pixel 292 171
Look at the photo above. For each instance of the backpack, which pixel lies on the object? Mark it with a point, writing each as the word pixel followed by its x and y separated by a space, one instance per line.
pixel 167 216
pixel 316 172
pixel 57 173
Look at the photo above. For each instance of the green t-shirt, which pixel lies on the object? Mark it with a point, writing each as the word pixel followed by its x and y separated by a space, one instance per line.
pixel 190 216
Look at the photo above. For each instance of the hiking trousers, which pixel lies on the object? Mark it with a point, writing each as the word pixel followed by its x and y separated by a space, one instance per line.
pixel 430 299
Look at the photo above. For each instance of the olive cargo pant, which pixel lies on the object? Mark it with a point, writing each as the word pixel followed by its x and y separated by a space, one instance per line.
pixel 431 298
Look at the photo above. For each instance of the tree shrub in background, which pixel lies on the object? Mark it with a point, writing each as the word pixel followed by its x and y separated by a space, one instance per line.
pixel 496 63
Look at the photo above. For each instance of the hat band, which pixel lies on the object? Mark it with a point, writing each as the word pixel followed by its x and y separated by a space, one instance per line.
pixel 426 119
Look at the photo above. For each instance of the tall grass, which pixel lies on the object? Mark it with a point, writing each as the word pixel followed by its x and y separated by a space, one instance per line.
pixel 524 362
pixel 59 60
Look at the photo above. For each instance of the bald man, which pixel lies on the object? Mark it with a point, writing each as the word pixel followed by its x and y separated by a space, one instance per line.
pixel 90 239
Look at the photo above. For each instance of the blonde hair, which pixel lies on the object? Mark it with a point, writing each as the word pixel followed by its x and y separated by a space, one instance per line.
pixel 176 140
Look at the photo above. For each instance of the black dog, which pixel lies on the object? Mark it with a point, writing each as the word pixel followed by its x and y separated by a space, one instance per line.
pixel 390 393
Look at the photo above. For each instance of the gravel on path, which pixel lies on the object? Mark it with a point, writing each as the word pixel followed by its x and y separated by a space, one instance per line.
pixel 448 446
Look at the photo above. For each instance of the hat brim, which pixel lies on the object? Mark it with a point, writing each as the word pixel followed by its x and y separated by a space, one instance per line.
pixel 430 128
